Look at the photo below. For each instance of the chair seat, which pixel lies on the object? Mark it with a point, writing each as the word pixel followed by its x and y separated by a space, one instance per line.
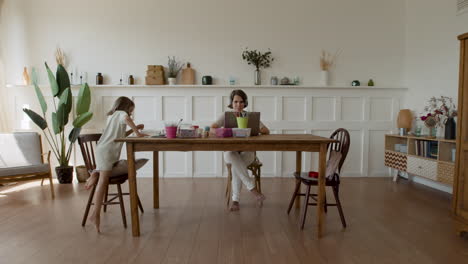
pixel 306 179
pixel 120 179
pixel 22 170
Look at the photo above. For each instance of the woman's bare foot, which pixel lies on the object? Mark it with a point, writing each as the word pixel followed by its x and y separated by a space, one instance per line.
pixel 92 180
pixel 96 221
pixel 258 196
pixel 234 206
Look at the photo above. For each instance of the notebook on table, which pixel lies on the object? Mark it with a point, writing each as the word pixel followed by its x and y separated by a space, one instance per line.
pixel 230 121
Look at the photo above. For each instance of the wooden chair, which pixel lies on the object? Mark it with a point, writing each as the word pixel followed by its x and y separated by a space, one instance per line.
pixel 342 146
pixel 87 144
pixel 255 167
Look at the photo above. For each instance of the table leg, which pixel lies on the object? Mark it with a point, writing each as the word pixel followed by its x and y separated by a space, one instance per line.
pixel 155 179
pixel 321 189
pixel 133 190
pixel 298 170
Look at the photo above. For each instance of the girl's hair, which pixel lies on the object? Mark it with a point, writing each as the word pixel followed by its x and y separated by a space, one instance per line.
pixel 240 93
pixel 123 104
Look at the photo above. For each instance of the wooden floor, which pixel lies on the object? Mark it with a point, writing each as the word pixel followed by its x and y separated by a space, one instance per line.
pixel 387 223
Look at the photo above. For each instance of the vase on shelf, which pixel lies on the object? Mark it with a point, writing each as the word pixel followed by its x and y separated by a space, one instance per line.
pixel 450 128
pixel 257 79
pixel 324 78
pixel 172 81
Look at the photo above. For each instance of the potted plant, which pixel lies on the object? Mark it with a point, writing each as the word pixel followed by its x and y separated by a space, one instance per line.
pixel 174 68
pixel 60 86
pixel 259 60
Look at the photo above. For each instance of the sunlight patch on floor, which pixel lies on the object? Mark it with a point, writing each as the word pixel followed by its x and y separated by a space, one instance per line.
pixel 24 186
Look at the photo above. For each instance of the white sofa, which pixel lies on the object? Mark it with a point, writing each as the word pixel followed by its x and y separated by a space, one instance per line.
pixel 21 159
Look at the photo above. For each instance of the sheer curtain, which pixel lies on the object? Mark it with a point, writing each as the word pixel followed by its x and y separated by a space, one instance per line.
pixel 5 113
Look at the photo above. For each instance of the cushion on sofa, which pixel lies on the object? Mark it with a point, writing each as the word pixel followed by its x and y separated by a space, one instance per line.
pixel 121 166
pixel 21 170
pixel 20 149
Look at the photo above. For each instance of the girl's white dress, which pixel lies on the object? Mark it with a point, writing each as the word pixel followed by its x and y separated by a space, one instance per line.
pixel 108 151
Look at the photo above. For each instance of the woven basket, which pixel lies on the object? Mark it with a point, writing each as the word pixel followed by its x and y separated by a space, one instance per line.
pixel 81 173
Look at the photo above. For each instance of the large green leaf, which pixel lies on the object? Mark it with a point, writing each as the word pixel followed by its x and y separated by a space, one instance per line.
pixel 34 76
pixel 74 134
pixel 84 100
pixel 63 81
pixel 41 99
pixel 53 83
pixel 37 119
pixel 66 102
pixel 55 124
pixel 82 119
pixel 62 119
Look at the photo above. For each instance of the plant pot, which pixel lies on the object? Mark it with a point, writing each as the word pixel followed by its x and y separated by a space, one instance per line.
pixel 257 77
pixel 450 128
pixel 172 81
pixel 81 173
pixel 64 174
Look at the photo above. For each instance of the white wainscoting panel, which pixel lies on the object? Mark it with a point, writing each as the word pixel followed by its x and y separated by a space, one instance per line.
pixel 368 113
pixel 352 109
pixel 294 108
pixel 381 109
pixel 266 105
pixel 204 108
pixel 323 108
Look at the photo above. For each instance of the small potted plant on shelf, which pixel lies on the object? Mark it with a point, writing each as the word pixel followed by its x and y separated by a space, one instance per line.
pixel 441 111
pixel 174 68
pixel 259 60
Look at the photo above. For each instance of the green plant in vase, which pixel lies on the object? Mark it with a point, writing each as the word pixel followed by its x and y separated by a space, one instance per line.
pixel 61 110
pixel 259 60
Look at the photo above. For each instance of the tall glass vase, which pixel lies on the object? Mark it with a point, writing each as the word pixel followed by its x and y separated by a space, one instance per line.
pixel 257 78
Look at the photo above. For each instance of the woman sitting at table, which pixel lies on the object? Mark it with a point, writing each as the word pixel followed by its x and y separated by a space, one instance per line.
pixel 240 160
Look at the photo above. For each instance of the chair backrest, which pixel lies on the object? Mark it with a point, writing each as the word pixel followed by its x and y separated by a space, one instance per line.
pixel 342 146
pixel 88 143
pixel 20 149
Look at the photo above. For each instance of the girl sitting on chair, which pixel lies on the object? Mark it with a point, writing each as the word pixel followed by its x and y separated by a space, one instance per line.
pixel 108 151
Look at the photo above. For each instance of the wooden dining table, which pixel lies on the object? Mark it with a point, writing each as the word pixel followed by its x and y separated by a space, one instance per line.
pixel 290 142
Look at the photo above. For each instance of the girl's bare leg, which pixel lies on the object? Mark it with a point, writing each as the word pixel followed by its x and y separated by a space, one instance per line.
pixel 103 182
pixel 92 180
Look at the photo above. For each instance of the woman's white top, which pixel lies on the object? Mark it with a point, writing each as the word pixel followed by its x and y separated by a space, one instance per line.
pixel 108 151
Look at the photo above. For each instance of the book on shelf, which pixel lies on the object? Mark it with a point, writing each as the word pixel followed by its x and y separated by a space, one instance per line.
pixel 427 149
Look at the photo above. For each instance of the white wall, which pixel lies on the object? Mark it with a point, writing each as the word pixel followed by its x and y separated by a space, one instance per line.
pixel 122 36
pixel 432 50
pixel 432 54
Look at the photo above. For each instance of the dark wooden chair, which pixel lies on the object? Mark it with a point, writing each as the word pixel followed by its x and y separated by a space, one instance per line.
pixel 87 145
pixel 255 167
pixel 333 181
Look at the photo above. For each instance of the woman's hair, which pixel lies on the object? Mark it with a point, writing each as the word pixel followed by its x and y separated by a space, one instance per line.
pixel 123 104
pixel 240 93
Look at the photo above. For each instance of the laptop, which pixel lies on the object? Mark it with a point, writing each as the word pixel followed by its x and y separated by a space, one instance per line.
pixel 230 121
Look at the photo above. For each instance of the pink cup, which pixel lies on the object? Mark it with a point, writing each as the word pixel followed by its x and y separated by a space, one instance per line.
pixel 171 132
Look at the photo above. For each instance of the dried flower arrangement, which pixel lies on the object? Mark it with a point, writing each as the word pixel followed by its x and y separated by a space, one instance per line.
pixel 173 67
pixel 327 60
pixel 60 57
